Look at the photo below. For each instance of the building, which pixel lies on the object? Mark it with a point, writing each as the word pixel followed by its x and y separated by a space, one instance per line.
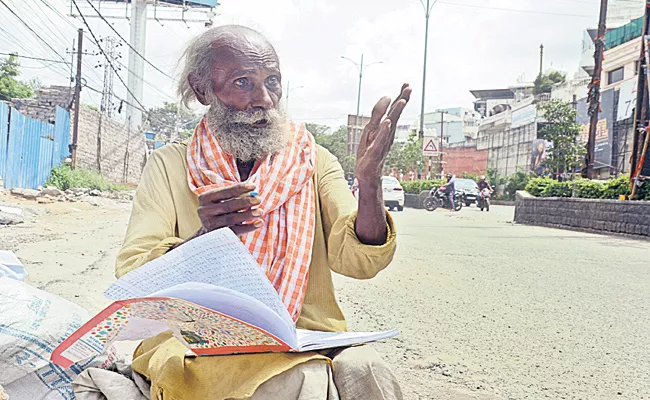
pixel 457 124
pixel 355 130
pixel 623 46
pixel 492 101
pixel 620 12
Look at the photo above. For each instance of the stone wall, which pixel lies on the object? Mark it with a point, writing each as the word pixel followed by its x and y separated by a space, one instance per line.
pixel 43 105
pixel 604 216
pixel 109 147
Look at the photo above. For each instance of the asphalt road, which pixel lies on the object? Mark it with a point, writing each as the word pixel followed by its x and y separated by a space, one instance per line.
pixel 487 309
pixel 492 310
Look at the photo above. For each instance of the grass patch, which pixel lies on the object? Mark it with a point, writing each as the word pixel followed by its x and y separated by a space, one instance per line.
pixel 65 178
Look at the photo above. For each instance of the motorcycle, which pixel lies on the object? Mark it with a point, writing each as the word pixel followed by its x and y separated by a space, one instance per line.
pixel 483 201
pixel 438 198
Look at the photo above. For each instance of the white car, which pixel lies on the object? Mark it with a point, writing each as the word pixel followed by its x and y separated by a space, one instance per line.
pixel 393 193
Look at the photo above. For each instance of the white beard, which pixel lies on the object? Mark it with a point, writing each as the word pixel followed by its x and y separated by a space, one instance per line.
pixel 238 136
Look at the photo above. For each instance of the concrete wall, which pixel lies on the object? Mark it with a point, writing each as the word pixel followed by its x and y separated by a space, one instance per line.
pixel 606 216
pixel 108 147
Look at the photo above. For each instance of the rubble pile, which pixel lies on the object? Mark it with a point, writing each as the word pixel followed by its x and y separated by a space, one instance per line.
pixel 52 194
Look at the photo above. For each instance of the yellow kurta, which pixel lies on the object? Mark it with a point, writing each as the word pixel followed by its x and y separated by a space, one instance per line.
pixel 165 213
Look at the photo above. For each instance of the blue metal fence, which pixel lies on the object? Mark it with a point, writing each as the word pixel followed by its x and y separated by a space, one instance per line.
pixel 29 148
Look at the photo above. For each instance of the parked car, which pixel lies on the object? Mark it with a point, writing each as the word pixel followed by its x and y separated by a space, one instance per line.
pixel 393 193
pixel 469 188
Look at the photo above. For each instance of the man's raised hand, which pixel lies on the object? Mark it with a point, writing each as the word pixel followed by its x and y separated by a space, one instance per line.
pixel 378 136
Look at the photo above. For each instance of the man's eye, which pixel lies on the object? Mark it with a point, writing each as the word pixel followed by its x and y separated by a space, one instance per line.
pixel 241 82
pixel 272 80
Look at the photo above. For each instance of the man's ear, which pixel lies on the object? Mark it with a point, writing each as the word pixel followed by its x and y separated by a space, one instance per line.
pixel 194 81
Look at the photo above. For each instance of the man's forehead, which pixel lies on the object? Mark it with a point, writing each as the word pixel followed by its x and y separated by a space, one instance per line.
pixel 242 57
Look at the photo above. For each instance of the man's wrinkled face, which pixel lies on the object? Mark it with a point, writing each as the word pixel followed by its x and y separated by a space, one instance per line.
pixel 244 109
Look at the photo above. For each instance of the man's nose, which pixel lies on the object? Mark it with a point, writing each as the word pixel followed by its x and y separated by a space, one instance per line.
pixel 262 98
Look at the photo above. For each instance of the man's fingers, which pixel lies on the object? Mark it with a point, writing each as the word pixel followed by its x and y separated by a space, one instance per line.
pixel 395 114
pixel 379 110
pixel 232 219
pixel 227 207
pixel 217 195
pixel 247 228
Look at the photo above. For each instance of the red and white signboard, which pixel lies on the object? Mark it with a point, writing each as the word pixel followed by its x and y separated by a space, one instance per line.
pixel 430 146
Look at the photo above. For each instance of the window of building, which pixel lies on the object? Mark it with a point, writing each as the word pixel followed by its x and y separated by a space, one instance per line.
pixel 615 75
pixel 637 64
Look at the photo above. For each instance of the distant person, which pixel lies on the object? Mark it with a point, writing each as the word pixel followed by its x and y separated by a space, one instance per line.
pixel 483 184
pixel 450 190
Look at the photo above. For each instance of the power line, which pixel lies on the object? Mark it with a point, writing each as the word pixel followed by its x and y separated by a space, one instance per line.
pixel 120 99
pixel 107 58
pixel 34 58
pixel 30 29
pixel 65 18
pixel 124 40
pixel 518 10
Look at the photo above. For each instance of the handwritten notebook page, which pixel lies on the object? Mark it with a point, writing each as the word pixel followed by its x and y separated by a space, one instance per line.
pixel 218 258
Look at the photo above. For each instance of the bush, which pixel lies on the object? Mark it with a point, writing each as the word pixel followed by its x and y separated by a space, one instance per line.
pixel 417 187
pixel 613 188
pixel 65 178
pixel 516 182
pixel 558 189
pixel 586 189
pixel 536 186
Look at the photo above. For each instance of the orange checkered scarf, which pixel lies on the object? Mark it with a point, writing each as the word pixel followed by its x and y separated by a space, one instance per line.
pixel 284 182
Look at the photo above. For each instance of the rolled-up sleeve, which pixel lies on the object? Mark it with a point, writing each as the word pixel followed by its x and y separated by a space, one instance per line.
pixel 152 227
pixel 346 254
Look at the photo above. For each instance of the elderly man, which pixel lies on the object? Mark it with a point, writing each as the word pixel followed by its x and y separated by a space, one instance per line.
pixel 303 225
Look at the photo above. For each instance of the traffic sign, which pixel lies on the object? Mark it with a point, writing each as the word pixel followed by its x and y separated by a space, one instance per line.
pixel 429 148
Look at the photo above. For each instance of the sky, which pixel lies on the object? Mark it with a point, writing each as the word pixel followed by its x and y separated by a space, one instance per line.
pixel 473 44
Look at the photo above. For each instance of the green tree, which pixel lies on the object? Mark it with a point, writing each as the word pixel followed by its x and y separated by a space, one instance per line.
pixel 10 86
pixel 169 119
pixel 563 132
pixel 336 143
pixel 317 130
pixel 544 82
pixel 406 156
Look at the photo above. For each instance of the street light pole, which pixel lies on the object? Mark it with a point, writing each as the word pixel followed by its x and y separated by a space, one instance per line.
pixel 355 135
pixel 356 119
pixel 289 89
pixel 427 13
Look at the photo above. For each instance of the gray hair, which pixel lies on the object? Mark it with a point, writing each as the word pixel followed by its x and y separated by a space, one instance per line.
pixel 200 62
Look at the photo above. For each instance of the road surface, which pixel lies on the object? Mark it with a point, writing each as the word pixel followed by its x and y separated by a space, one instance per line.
pixel 486 309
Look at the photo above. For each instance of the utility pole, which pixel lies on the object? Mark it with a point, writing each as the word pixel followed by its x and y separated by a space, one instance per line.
pixel 427 13
pixel 355 134
pixel 594 92
pixel 136 62
pixel 541 59
pixel 77 95
pixel 442 132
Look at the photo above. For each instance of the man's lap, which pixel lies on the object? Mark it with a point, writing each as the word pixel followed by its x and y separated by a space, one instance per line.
pixel 355 373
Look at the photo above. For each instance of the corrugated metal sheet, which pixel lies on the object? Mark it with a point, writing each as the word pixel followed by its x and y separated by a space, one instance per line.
pixel 4 131
pixel 33 147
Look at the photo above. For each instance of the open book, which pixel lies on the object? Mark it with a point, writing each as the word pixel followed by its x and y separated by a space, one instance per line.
pixel 211 293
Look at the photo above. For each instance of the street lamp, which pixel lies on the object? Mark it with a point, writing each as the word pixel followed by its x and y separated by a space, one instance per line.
pixel 427 13
pixel 360 68
pixel 289 89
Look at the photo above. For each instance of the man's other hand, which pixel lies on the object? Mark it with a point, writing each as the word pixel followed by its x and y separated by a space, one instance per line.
pixel 230 207
pixel 378 137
